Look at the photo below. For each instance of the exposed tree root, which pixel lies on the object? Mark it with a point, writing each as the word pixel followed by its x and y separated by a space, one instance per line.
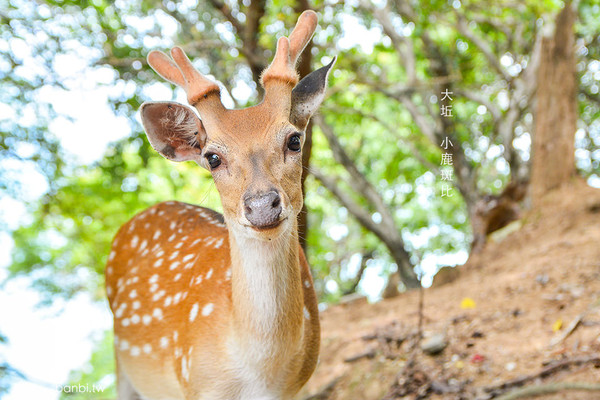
pixel 545 372
pixel 549 388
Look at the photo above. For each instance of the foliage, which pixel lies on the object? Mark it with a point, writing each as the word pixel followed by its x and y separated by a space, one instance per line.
pixel 98 374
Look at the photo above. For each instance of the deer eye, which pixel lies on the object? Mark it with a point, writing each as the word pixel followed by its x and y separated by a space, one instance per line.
pixel 213 160
pixel 294 143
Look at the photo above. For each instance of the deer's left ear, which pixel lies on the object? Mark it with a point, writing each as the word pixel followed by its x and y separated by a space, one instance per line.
pixel 308 95
pixel 173 130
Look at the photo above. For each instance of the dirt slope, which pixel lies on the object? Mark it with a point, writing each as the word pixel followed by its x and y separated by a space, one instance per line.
pixel 522 287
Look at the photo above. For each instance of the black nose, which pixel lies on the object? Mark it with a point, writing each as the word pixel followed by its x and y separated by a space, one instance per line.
pixel 263 210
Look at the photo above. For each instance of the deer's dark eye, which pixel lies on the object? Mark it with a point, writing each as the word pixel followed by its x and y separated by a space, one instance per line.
pixel 294 143
pixel 213 160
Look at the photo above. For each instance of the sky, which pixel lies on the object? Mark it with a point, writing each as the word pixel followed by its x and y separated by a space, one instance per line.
pixel 47 343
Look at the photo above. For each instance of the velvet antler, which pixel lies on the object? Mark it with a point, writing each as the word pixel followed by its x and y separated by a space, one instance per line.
pixel 283 67
pixel 181 72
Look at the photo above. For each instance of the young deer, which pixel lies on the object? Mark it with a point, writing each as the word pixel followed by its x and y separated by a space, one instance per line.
pixel 221 307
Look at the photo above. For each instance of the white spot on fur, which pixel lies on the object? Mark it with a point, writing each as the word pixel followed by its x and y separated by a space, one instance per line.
pixel 111 256
pixel 174 255
pixel 147 348
pixel 168 301
pixel 132 294
pixel 306 313
pixel 174 265
pixel 209 273
pixel 125 322
pixel 177 277
pixel 177 298
pixel 158 263
pixel 153 278
pixel 135 319
pixel 194 312
pixel 208 309
pixel 144 244
pixel 120 310
pixel 136 305
pixel 307 283
pixel 158 295
pixel 146 319
pixel 124 345
pixel 153 287
pixel 184 370
pixel 157 313
pixel 164 342
pixel 188 257
pixel 218 243
pixel 134 241
pixel 135 351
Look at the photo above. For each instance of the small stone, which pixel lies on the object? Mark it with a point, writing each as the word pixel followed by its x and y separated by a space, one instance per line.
pixel 434 344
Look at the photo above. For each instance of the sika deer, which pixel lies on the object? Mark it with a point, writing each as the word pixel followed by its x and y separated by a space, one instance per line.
pixel 221 307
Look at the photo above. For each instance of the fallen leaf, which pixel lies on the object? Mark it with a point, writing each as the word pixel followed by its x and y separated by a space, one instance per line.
pixel 467 303
pixel 477 358
pixel 557 325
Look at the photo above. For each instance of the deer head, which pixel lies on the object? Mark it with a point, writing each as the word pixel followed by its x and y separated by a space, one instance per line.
pixel 254 154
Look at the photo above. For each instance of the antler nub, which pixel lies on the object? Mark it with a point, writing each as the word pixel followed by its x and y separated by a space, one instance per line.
pixel 283 67
pixel 302 33
pixel 182 73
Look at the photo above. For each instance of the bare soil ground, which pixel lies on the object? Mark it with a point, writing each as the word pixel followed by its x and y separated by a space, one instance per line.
pixel 523 287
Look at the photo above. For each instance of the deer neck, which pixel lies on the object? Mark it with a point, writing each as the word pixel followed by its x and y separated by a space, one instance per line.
pixel 267 292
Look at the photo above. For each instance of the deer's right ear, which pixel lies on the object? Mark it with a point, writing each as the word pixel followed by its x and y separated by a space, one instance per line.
pixel 173 130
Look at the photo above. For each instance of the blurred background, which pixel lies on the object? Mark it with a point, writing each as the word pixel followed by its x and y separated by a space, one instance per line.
pixel 383 209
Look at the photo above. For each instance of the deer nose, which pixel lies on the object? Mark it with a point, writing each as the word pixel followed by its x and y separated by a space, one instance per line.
pixel 263 210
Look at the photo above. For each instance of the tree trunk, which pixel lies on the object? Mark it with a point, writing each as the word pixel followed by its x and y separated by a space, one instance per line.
pixel 490 213
pixel 305 68
pixel 553 157
pixel 405 268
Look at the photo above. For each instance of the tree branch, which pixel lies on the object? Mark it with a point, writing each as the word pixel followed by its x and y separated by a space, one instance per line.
pixel 359 212
pixel 359 183
pixel 483 46
pixel 478 98
pixel 227 13
pixel 363 266
pixel 403 45
pixel 412 148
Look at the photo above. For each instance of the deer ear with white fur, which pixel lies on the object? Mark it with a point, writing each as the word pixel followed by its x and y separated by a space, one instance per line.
pixel 173 130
